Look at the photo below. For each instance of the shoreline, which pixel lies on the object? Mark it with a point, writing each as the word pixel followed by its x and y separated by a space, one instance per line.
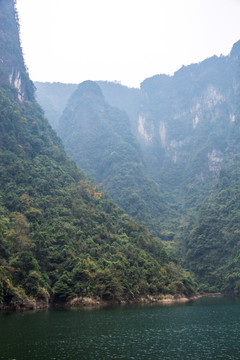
pixel 141 300
pixel 89 302
pixel 85 302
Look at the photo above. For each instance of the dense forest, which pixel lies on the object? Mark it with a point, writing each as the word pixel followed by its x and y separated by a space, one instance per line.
pixel 213 250
pixel 62 236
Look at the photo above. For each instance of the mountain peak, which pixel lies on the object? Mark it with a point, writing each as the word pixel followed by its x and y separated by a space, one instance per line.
pixel 87 91
pixel 89 87
pixel 235 52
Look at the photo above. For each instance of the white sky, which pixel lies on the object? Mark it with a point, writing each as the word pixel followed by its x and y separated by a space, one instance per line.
pixel 123 40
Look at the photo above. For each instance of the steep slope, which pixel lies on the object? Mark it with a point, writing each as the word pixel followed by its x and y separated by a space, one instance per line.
pixel 98 137
pixel 213 250
pixel 124 98
pixel 187 119
pixel 60 236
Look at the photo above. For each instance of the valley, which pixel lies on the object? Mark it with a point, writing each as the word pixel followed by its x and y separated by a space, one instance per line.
pixel 114 193
pixel 161 152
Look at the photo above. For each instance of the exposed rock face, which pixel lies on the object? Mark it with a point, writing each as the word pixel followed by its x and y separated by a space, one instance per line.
pixel 145 134
pixel 190 116
pixel 16 81
pixel 12 67
pixel 162 133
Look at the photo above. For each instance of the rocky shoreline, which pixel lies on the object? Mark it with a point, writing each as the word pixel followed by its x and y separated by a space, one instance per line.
pixel 25 305
pixel 91 302
pixel 141 300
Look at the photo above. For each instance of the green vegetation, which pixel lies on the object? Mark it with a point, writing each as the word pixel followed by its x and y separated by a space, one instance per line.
pixel 60 235
pixel 213 250
pixel 214 246
pixel 166 162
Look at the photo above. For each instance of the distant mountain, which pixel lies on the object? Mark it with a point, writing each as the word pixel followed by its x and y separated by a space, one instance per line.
pixel 186 128
pixel 183 124
pixel 53 97
pixel 98 137
pixel 61 237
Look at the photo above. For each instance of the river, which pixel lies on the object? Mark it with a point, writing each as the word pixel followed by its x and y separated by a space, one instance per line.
pixel 207 328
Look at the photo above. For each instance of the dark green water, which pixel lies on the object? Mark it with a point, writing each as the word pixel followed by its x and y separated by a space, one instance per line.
pixel 204 329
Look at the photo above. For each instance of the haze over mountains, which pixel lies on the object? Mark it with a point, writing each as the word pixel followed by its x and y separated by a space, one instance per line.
pixel 177 137
pixel 167 154
pixel 61 236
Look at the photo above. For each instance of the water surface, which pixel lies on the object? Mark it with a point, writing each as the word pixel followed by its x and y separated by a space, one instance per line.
pixel 200 330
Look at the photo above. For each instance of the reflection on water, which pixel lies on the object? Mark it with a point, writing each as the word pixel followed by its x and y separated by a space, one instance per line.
pixel 200 330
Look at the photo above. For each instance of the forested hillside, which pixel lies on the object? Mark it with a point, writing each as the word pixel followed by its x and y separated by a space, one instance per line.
pixel 213 250
pixel 60 235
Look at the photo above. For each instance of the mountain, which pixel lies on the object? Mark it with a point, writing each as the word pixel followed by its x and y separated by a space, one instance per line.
pixel 213 246
pixel 186 128
pixel 171 115
pixel 187 117
pixel 188 131
pixel 60 236
pixel 98 138
pixel 53 97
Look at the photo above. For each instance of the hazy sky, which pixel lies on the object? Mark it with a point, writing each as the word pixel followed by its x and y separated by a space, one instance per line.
pixel 123 40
